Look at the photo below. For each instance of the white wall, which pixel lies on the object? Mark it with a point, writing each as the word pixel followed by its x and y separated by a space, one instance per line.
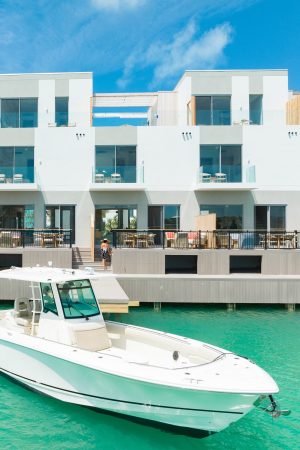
pixel 275 96
pixel 63 159
pixel 170 159
pixel 240 99
pixel 184 93
pixel 46 103
pixel 80 93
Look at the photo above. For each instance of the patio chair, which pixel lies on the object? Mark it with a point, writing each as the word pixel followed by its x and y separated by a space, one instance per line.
pixel 99 178
pixel 115 178
pixel 18 178
pixel 2 178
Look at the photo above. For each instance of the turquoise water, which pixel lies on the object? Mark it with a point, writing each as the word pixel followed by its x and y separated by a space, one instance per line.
pixel 269 336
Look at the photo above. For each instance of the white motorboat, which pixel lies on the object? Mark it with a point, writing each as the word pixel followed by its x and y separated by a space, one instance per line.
pixel 56 341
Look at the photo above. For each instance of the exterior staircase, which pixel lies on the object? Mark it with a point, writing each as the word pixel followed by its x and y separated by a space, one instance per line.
pixel 81 258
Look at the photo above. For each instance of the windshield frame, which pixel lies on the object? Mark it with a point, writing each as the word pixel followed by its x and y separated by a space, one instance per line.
pixel 78 314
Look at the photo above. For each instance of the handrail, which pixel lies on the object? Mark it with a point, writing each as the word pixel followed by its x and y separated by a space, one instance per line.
pixel 229 239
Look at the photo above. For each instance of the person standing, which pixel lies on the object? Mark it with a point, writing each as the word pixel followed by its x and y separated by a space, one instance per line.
pixel 105 253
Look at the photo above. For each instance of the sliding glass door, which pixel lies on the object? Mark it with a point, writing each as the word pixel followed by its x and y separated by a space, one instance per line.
pixel 61 217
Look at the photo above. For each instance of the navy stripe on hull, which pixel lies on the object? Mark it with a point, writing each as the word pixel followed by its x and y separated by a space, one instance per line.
pixel 121 401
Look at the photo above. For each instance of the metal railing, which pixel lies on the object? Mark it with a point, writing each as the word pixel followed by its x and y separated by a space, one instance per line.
pixel 51 238
pixel 218 239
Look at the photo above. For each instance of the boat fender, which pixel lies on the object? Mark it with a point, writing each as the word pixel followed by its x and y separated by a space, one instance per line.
pixel 175 355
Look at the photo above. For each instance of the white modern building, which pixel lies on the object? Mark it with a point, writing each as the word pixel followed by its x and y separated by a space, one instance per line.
pixel 224 142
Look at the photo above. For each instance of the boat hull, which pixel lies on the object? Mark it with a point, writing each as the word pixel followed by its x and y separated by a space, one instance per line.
pixel 74 383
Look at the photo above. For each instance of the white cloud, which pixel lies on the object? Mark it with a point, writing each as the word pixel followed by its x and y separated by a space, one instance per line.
pixel 117 4
pixel 185 51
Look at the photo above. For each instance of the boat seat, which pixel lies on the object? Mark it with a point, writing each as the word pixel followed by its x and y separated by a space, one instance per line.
pixel 89 336
pixel 23 312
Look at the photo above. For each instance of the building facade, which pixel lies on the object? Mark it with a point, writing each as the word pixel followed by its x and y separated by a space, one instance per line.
pixel 223 142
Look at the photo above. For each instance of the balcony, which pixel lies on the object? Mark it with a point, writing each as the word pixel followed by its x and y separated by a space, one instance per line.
pixel 46 238
pixel 207 240
pixel 123 178
pixel 23 180
pixel 228 178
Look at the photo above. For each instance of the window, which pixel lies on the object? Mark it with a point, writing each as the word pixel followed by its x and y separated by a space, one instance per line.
pixel 28 112
pixel 19 113
pixel 62 111
pixel 114 160
pixel 255 109
pixel 14 217
pixel 245 264
pixel 270 218
pixel 17 164
pixel 48 298
pixel 225 159
pixel 110 217
pixel 61 217
pixel 164 217
pixel 229 217
pixel 213 110
pixel 77 299
pixel 181 264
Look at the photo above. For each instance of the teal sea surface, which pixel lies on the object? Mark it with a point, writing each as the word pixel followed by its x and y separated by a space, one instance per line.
pixel 269 336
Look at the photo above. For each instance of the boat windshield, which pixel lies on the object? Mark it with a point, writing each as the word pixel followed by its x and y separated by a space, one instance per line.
pixel 78 299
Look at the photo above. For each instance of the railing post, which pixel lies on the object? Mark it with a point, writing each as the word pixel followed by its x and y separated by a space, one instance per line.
pixel 229 240
pixel 296 238
pixel 163 239
pixel 23 237
pixel 266 243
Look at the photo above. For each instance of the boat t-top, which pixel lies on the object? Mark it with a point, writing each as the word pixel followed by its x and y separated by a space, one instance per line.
pixel 56 341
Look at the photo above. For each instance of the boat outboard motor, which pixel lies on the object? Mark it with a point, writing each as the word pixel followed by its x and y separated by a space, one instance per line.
pixel 273 409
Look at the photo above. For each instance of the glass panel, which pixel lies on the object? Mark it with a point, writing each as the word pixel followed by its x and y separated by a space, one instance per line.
pixel 261 217
pixel 52 217
pixel 67 220
pixel 203 110
pixel 48 298
pixel 6 164
pixel 24 163
pixel 231 162
pixel 228 216
pixel 61 111
pixel 105 161
pixel 277 218
pixel 210 159
pixel 255 108
pixel 78 299
pixel 155 217
pixel 126 164
pixel 10 113
pixel 11 217
pixel 29 216
pixel 28 112
pixel 221 110
pixel 171 217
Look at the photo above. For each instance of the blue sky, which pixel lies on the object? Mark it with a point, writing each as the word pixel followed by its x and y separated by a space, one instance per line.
pixel 141 45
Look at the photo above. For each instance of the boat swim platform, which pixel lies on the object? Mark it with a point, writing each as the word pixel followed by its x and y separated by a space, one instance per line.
pixel 212 289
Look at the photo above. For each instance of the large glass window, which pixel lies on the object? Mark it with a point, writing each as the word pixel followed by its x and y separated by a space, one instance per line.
pixel 164 217
pixel 270 218
pixel 78 299
pixel 229 217
pixel 62 111
pixel 110 217
pixel 61 217
pixel 28 112
pixel 19 113
pixel 16 164
pixel 213 110
pixel 14 216
pixel 116 163
pixel 224 159
pixel 255 109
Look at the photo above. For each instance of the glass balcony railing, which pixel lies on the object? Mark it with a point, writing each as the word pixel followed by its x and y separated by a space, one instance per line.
pixel 17 175
pixel 118 174
pixel 227 174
